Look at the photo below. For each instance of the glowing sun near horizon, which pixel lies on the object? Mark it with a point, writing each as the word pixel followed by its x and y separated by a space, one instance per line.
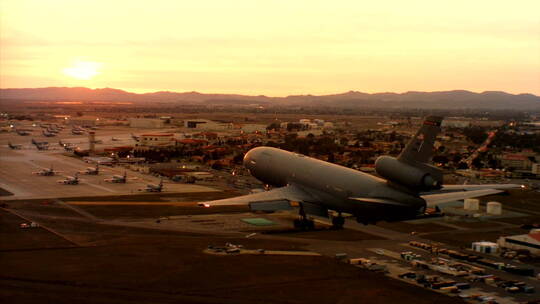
pixel 83 70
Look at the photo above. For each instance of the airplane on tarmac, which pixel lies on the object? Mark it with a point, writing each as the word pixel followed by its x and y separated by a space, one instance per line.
pixel 48 134
pixel 70 180
pixel 77 131
pixel 408 186
pixel 120 179
pixel 47 172
pixel 14 147
pixel 153 187
pixel 23 132
pixel 42 146
pixel 91 171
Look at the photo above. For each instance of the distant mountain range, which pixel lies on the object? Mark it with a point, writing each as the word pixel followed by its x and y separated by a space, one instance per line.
pixel 444 99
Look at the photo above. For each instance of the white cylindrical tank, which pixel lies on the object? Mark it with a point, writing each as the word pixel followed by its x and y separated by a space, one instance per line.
pixel 472 204
pixel 494 208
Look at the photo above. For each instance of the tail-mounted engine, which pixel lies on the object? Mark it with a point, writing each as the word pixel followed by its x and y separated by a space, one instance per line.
pixel 415 176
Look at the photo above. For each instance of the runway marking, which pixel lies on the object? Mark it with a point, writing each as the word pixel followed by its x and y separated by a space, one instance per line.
pixel 99 187
pixel 44 227
pixel 79 211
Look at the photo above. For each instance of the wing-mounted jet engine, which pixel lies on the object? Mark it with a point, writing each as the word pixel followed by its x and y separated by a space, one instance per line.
pixel 411 169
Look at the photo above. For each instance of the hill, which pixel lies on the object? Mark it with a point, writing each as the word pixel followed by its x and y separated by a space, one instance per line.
pixel 444 99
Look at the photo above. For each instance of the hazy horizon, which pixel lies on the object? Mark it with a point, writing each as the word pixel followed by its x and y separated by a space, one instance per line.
pixel 273 48
pixel 266 95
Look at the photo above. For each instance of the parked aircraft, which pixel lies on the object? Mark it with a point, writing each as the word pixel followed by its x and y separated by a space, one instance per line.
pixel 92 171
pixel 23 132
pixel 409 184
pixel 121 179
pixel 70 180
pixel 14 147
pixel 48 134
pixel 153 187
pixel 46 172
pixel 42 146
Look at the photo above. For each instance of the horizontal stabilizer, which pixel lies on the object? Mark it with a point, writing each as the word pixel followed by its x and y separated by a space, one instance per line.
pixel 435 199
pixel 479 187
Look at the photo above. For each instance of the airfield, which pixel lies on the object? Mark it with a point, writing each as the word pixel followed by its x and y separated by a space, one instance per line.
pixel 112 243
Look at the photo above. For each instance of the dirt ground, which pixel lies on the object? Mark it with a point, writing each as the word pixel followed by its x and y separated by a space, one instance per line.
pixel 121 264
pixel 150 267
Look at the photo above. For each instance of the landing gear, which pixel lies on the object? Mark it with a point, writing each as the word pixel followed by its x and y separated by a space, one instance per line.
pixel 303 222
pixel 338 222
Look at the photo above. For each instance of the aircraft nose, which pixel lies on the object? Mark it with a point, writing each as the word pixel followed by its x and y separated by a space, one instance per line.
pixel 250 159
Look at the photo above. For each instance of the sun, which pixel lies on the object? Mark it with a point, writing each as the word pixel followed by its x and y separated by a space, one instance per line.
pixel 83 70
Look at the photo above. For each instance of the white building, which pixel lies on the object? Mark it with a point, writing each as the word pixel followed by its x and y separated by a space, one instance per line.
pixel 146 123
pixel 529 242
pixel 205 124
pixel 485 247
pixel 157 140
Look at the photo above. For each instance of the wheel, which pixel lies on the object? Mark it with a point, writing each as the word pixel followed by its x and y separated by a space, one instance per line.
pixel 297 223
pixel 309 224
pixel 338 222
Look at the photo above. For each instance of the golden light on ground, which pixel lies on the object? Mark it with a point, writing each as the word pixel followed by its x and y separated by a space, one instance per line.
pixel 83 70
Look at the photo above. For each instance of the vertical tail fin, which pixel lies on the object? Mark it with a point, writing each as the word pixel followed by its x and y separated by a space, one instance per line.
pixel 420 147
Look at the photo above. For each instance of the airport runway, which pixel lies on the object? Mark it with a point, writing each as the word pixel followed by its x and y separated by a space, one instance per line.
pixel 17 166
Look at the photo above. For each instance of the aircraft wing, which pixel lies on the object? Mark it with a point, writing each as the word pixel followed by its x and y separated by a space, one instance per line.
pixel 275 199
pixel 479 187
pixel 434 199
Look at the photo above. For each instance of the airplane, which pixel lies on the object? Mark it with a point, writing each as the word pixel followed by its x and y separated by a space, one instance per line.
pixel 23 132
pixel 120 179
pixel 70 180
pixel 14 147
pixel 407 187
pixel 48 134
pixel 153 187
pixel 92 171
pixel 42 146
pixel 46 172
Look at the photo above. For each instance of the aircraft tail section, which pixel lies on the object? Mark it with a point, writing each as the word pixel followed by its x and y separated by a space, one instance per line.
pixel 420 147
pixel 411 168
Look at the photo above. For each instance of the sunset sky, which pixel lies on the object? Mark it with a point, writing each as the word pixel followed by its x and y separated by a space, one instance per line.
pixel 272 47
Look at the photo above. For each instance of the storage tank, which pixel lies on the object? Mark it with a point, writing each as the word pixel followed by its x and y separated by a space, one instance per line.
pixel 472 204
pixel 494 208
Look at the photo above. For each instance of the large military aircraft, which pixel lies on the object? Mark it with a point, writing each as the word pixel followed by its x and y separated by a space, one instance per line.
pixel 119 179
pixel 70 180
pixel 91 170
pixel 154 187
pixel 409 184
pixel 47 172
pixel 14 147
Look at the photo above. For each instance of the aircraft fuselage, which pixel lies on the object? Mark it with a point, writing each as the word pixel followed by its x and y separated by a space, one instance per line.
pixel 331 183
